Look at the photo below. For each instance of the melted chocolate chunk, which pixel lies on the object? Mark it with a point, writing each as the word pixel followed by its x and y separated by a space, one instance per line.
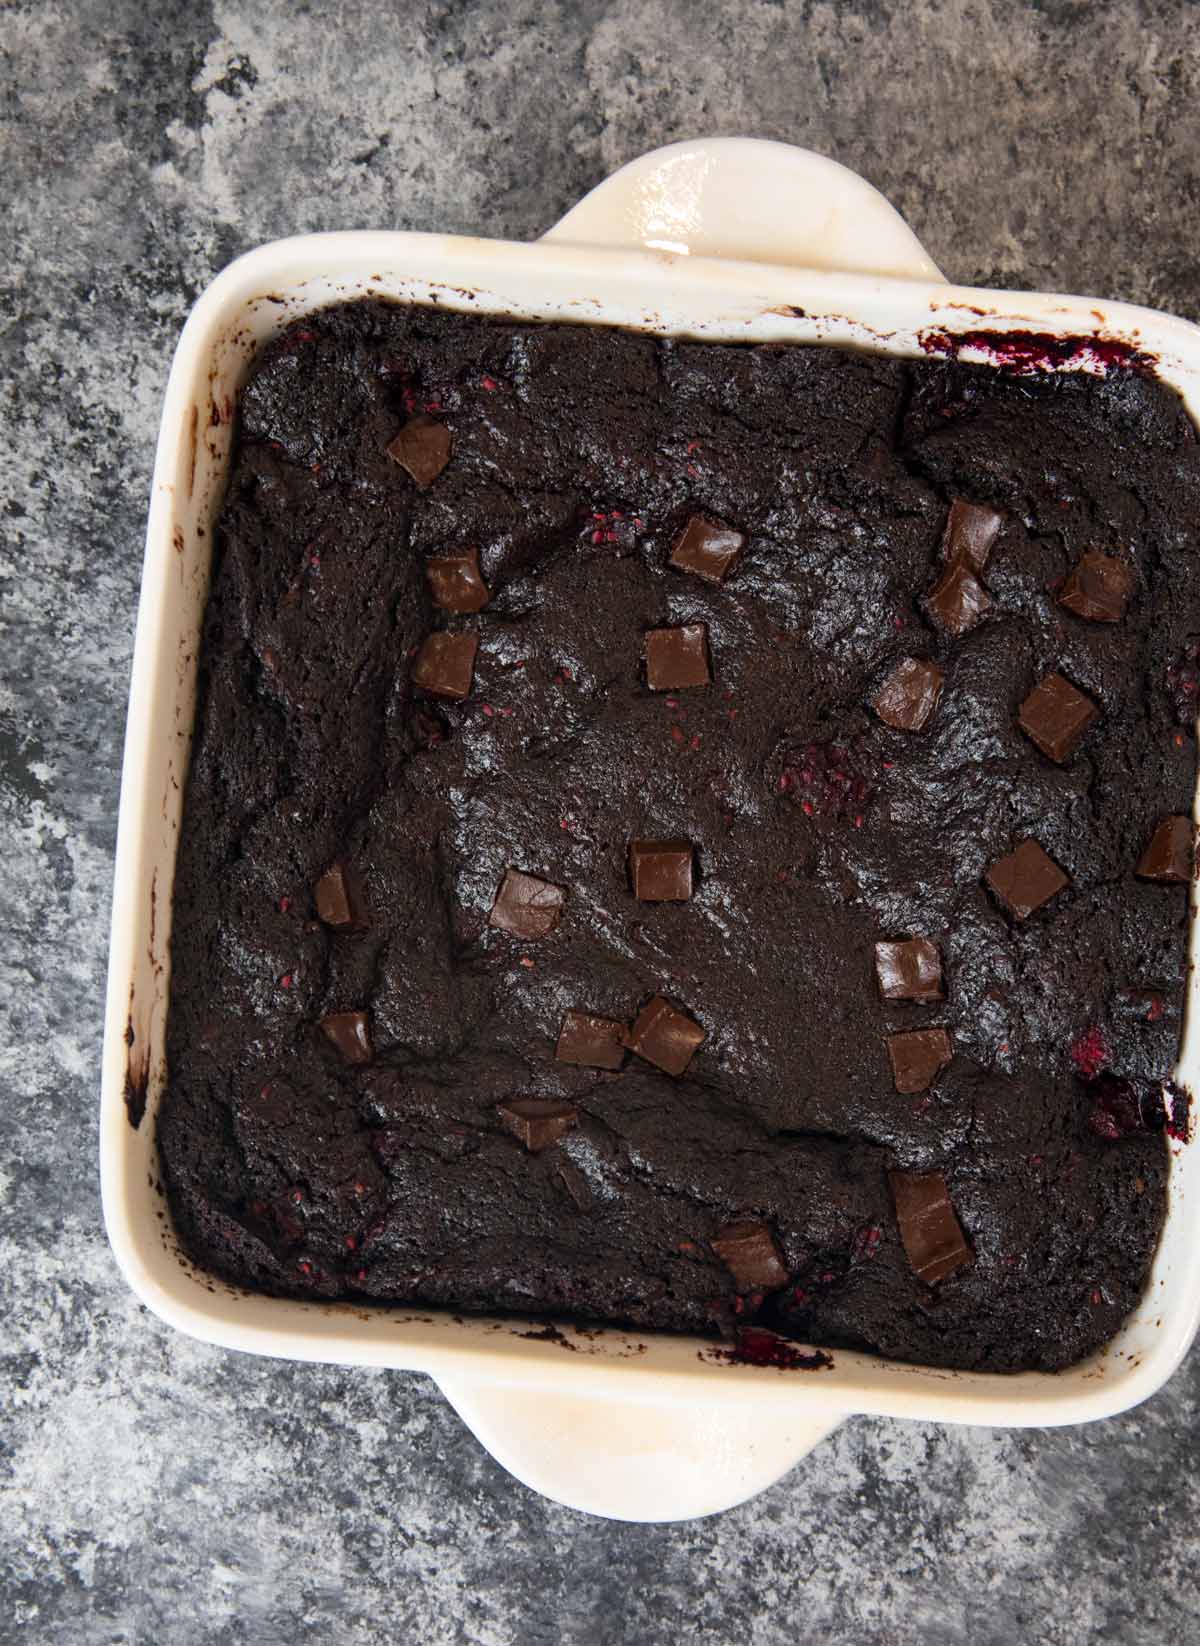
pixel 1098 588
pixel 910 694
pixel 661 870
pixel 445 664
pixel 971 529
pixel 665 1037
pixel 1171 854
pixel 526 905
pixel 575 1184
pixel 1055 716
pixel 1026 879
pixel 917 1057
pixel 749 1251
pixel 338 899
pixel 423 448
pixel 591 1042
pixel 930 1230
pixel 911 970
pixel 677 658
pixel 456 582
pixel 537 1122
pixel 958 600
pixel 350 1032
pixel 707 548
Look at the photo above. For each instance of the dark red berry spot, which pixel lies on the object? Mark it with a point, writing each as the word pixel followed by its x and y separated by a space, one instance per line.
pixel 1122 1107
pixel 865 1244
pixel 1090 1053
pixel 827 779
pixel 1183 684
pixel 757 1347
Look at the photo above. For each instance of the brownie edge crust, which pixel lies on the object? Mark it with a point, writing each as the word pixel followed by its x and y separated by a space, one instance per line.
pixel 689 836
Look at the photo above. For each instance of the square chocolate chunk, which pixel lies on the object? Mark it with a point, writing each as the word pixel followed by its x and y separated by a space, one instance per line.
pixel 1055 716
pixel 958 600
pixel 911 970
pixel 971 529
pixel 423 448
pixel 456 582
pixel 708 548
pixel 910 694
pixel 665 1037
pixel 526 905
pixel 338 899
pixel 661 870
pixel 749 1251
pixel 677 658
pixel 591 1042
pixel 929 1228
pixel 537 1122
pixel 445 664
pixel 350 1032
pixel 1025 879
pixel 1098 589
pixel 1171 854
pixel 917 1057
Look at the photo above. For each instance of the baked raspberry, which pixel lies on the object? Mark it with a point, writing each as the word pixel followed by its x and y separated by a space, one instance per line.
pixel 828 780
pixel 1091 1053
pixel 1122 1107
pixel 1183 684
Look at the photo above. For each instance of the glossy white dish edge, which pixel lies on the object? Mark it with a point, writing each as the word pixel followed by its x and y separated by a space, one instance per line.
pixel 484 1367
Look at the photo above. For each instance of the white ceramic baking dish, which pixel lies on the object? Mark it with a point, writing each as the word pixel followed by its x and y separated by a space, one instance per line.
pixel 732 240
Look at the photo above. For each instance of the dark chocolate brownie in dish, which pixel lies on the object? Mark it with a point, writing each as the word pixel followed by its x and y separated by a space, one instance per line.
pixel 691 836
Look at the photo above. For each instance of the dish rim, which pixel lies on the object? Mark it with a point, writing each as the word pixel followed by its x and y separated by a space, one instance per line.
pixel 743 301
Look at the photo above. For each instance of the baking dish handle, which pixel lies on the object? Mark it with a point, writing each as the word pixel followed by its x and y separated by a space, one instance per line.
pixel 633 1460
pixel 745 197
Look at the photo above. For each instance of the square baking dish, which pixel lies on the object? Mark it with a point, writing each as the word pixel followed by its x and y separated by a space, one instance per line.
pixel 729 240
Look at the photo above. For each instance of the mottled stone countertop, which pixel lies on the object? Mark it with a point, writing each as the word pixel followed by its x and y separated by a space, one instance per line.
pixel 158 1491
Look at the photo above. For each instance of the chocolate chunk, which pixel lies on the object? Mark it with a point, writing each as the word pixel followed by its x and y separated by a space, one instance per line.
pixel 708 548
pixel 1171 854
pixel 932 1236
pixel 537 1122
pixel 665 1037
pixel 661 870
pixel 748 1250
pixel 958 600
pixel 1055 716
pixel 676 658
pixel 338 899
pixel 917 1056
pixel 423 448
pixel 1098 588
pixel 911 970
pixel 1025 879
pixel 456 582
pixel 971 529
pixel 350 1032
pixel 526 905
pixel 910 694
pixel 591 1042
pixel 445 664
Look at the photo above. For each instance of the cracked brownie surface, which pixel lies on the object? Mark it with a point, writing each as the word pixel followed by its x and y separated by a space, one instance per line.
pixel 439 949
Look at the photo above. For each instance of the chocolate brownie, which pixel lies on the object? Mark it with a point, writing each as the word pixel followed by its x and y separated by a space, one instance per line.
pixel 675 836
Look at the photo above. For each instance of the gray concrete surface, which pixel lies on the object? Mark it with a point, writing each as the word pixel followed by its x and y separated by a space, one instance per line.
pixel 156 1491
